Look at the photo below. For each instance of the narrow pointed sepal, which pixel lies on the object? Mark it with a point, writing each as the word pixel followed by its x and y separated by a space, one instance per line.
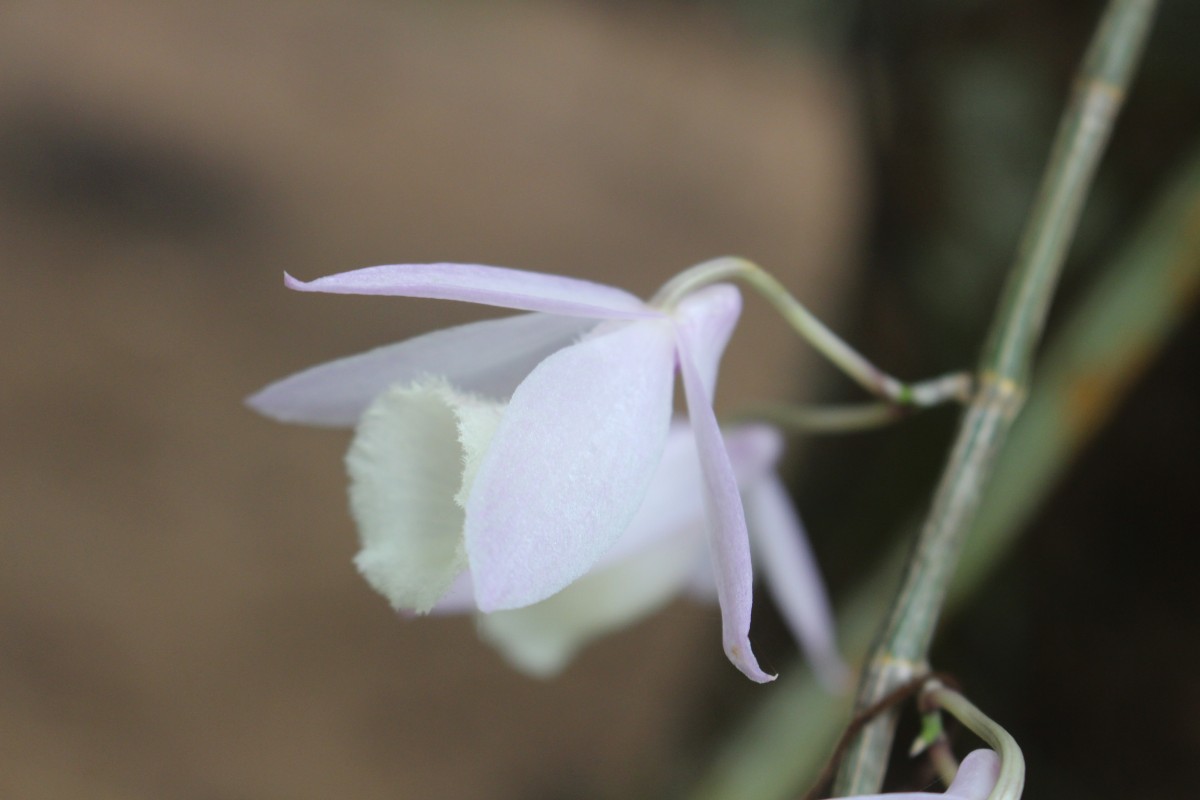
pixel 728 538
pixel 492 286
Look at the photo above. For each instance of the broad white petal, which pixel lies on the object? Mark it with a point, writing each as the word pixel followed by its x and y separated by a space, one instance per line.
pixel 570 463
pixel 787 561
pixel 674 503
pixel 542 638
pixel 489 358
pixel 406 465
pixel 493 286
pixel 728 539
pixel 673 508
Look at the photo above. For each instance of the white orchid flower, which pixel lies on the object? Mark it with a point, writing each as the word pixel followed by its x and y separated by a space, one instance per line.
pixel 518 451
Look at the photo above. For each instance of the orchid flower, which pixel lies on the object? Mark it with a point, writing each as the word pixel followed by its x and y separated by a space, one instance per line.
pixel 519 450
pixel 977 777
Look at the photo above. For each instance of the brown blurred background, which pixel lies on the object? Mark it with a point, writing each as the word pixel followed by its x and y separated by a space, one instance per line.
pixel 179 617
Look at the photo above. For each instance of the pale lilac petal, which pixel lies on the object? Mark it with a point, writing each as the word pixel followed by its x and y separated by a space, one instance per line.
pixel 673 508
pixel 793 578
pixel 569 464
pixel 709 317
pixel 674 502
pixel 491 286
pixel 976 778
pixel 660 552
pixel 488 358
pixel 728 538
pixel 542 638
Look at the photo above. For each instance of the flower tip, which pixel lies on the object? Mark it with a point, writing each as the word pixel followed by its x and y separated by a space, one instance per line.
pixel 294 283
pixel 264 402
pixel 268 403
pixel 254 402
pixel 757 675
pixel 748 664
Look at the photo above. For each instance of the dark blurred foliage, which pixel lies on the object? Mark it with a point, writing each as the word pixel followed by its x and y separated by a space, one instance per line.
pixel 1085 641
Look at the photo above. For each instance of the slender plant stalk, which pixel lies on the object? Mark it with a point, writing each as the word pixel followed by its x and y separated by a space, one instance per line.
pixel 846 418
pixel 902 646
pixel 1114 331
pixel 923 394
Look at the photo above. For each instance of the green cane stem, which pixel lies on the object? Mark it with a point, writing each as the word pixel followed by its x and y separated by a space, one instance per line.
pixel 902 646
pixel 1140 297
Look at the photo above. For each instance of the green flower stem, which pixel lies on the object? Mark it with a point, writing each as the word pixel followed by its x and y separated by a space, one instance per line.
pixel 943 760
pixel 1111 335
pixel 1012 764
pixel 956 386
pixel 824 419
pixel 902 646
